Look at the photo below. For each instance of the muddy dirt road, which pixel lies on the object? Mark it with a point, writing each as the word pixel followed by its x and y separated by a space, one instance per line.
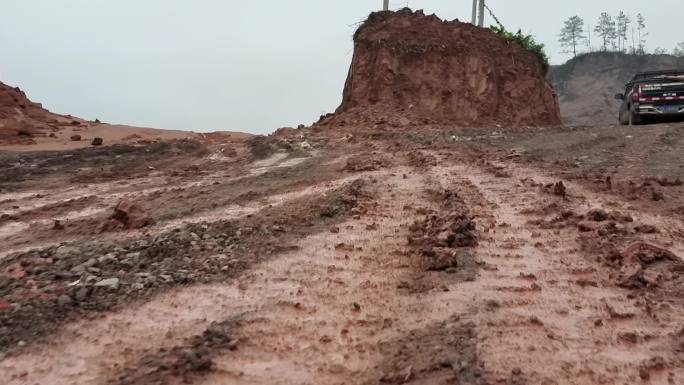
pixel 430 257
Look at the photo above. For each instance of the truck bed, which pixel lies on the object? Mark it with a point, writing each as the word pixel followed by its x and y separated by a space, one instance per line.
pixel 662 96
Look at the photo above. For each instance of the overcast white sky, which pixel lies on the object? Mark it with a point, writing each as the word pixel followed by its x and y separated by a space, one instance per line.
pixel 232 65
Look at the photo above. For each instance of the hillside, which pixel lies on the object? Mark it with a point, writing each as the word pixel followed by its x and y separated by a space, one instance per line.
pixel 21 120
pixel 586 85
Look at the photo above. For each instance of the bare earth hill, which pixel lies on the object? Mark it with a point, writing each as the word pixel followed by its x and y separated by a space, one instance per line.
pixel 27 126
pixel 587 84
pixel 21 119
pixel 412 68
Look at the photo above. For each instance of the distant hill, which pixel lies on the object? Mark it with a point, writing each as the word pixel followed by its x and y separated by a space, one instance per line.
pixel 27 126
pixel 587 84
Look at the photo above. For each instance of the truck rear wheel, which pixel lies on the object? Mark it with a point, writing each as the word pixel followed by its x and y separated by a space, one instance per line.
pixel 634 118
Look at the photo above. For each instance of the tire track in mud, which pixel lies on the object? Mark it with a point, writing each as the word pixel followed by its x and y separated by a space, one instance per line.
pixel 317 302
pixel 549 314
pixel 245 194
pixel 262 238
pixel 109 192
pixel 342 311
pixel 353 304
pixel 360 308
pixel 165 320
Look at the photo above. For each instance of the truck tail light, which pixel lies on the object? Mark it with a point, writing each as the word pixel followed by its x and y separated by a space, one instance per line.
pixel 636 93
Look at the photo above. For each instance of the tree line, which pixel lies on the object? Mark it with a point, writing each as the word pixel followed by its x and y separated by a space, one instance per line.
pixel 612 34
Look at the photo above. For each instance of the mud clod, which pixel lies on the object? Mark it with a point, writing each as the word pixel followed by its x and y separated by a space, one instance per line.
pixel 646 265
pixel 439 236
pixel 413 358
pixel 131 215
pixel 559 189
pixel 420 159
pixel 184 362
pixel 597 215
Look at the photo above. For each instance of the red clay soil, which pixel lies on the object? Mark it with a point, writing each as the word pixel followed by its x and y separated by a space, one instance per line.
pixel 21 119
pixel 411 69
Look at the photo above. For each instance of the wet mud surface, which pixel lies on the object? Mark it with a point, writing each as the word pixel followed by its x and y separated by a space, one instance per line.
pixel 426 257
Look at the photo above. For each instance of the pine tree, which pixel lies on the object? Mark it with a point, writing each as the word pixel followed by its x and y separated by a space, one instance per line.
pixel 606 30
pixel 623 22
pixel 572 34
pixel 641 26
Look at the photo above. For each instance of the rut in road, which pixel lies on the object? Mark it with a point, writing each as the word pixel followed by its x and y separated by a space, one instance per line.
pixel 322 314
pixel 550 308
pixel 532 313
pixel 348 303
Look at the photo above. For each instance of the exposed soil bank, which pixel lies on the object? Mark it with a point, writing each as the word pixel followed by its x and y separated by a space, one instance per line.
pixel 409 69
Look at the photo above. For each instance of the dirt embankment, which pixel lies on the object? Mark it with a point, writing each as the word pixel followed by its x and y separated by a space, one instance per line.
pixel 411 69
pixel 21 120
pixel 586 85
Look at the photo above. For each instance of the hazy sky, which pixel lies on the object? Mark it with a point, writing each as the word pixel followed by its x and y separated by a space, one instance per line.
pixel 232 65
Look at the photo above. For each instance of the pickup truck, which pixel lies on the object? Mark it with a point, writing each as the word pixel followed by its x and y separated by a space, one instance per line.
pixel 651 95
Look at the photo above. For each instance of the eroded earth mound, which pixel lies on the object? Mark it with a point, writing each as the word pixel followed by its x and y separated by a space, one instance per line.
pixel 411 69
pixel 21 119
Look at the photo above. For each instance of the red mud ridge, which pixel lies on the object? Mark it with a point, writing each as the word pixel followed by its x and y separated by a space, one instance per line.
pixel 21 120
pixel 411 69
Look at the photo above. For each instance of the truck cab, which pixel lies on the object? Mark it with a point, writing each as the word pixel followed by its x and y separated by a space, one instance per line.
pixel 652 94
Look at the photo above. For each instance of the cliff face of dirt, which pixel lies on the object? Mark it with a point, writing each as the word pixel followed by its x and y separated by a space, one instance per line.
pixel 586 85
pixel 21 119
pixel 412 69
